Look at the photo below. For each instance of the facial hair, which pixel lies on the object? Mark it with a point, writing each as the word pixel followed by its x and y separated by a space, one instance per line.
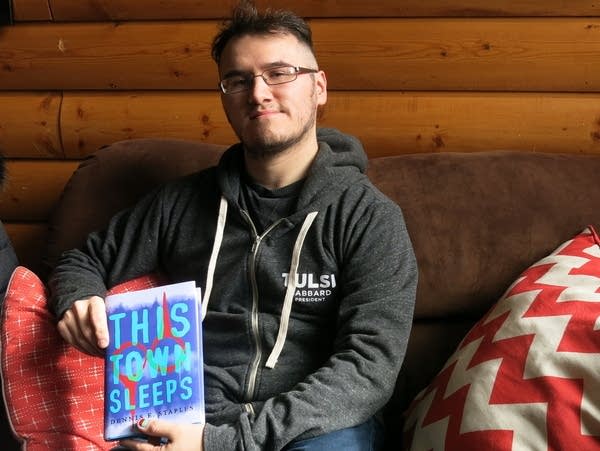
pixel 265 146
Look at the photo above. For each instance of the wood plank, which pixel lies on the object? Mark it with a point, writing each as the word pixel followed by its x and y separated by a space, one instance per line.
pixel 29 124
pixel 435 8
pixel 108 56
pixel 31 10
pixel 398 123
pixel 387 123
pixel 126 10
pixel 526 54
pixel 96 10
pixel 29 241
pixel 92 120
pixel 33 188
pixel 461 54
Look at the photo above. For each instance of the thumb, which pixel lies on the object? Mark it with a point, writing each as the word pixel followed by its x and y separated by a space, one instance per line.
pixel 154 428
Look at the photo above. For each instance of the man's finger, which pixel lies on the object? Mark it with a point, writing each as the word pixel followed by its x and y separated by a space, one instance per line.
pixel 98 321
pixel 154 430
pixel 65 331
pixel 137 445
pixel 74 339
pixel 77 329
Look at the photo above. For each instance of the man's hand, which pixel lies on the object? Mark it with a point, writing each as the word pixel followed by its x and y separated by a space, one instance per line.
pixel 181 437
pixel 85 326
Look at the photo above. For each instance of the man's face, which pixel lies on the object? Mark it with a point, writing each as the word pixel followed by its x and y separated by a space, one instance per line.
pixel 268 119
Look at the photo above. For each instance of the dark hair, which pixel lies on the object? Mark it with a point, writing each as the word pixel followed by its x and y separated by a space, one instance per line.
pixel 247 20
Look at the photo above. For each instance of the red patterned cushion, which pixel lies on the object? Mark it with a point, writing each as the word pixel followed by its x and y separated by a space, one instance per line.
pixel 53 392
pixel 527 375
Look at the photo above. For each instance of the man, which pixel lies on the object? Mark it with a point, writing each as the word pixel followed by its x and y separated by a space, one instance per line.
pixel 8 259
pixel 307 270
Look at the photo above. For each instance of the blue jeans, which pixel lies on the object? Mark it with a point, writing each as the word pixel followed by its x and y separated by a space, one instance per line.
pixel 364 437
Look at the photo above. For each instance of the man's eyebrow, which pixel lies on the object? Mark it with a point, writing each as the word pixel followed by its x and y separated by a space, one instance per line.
pixel 277 64
pixel 234 72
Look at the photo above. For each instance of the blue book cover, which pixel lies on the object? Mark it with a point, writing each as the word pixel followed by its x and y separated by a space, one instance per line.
pixel 154 363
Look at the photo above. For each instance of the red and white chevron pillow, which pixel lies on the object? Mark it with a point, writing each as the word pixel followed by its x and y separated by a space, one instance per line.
pixel 527 375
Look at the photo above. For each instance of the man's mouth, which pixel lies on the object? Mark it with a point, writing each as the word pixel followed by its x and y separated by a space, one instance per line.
pixel 262 113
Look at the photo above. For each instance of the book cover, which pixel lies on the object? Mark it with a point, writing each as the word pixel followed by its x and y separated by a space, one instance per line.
pixel 154 363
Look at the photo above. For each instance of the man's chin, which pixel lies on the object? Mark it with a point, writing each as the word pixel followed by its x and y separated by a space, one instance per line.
pixel 263 142
pixel 266 145
pixel 264 149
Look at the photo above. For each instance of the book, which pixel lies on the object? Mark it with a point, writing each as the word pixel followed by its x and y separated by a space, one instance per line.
pixel 154 362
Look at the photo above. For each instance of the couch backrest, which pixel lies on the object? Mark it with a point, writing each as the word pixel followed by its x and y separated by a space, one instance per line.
pixel 476 221
pixel 113 178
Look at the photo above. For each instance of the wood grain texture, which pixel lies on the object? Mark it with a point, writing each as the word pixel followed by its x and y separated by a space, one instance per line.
pixel 435 8
pixel 29 124
pixel 461 54
pixel 109 10
pixel 33 188
pixel 399 123
pixel 108 56
pixel 388 123
pixel 30 10
pixel 92 120
pixel 127 10
pixel 526 54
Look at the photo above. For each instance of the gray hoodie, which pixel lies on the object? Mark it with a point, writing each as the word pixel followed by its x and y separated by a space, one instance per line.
pixel 286 357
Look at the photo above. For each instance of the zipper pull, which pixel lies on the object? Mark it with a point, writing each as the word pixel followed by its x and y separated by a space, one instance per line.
pixel 255 244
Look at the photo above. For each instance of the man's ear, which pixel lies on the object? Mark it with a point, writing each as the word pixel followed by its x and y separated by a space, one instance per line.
pixel 321 82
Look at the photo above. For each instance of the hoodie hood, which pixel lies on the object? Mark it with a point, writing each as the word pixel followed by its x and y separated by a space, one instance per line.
pixel 344 150
pixel 340 162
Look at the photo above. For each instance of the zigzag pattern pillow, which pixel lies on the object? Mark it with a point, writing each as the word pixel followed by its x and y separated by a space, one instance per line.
pixel 527 376
pixel 54 393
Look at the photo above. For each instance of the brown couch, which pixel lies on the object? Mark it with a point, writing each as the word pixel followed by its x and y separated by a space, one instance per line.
pixel 476 221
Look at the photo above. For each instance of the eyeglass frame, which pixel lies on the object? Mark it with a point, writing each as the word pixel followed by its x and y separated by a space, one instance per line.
pixel 249 78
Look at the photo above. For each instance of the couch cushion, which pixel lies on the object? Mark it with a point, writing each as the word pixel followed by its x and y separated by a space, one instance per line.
pixel 526 375
pixel 53 392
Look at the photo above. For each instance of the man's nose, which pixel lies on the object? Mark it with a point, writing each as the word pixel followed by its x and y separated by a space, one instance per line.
pixel 259 89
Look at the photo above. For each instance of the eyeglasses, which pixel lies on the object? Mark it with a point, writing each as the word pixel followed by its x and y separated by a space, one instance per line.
pixel 273 76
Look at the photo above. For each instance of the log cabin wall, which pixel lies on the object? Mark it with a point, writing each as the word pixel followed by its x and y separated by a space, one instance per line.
pixel 404 76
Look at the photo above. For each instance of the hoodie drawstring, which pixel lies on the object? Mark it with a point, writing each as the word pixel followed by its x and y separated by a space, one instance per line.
pixel 291 290
pixel 214 254
pixel 292 279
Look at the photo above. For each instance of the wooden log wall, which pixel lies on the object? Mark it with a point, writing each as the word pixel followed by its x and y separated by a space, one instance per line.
pixel 404 76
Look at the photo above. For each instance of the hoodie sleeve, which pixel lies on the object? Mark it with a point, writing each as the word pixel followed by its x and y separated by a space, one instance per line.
pixel 127 248
pixel 379 277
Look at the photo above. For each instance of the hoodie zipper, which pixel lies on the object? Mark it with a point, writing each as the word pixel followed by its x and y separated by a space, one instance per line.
pixel 254 316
